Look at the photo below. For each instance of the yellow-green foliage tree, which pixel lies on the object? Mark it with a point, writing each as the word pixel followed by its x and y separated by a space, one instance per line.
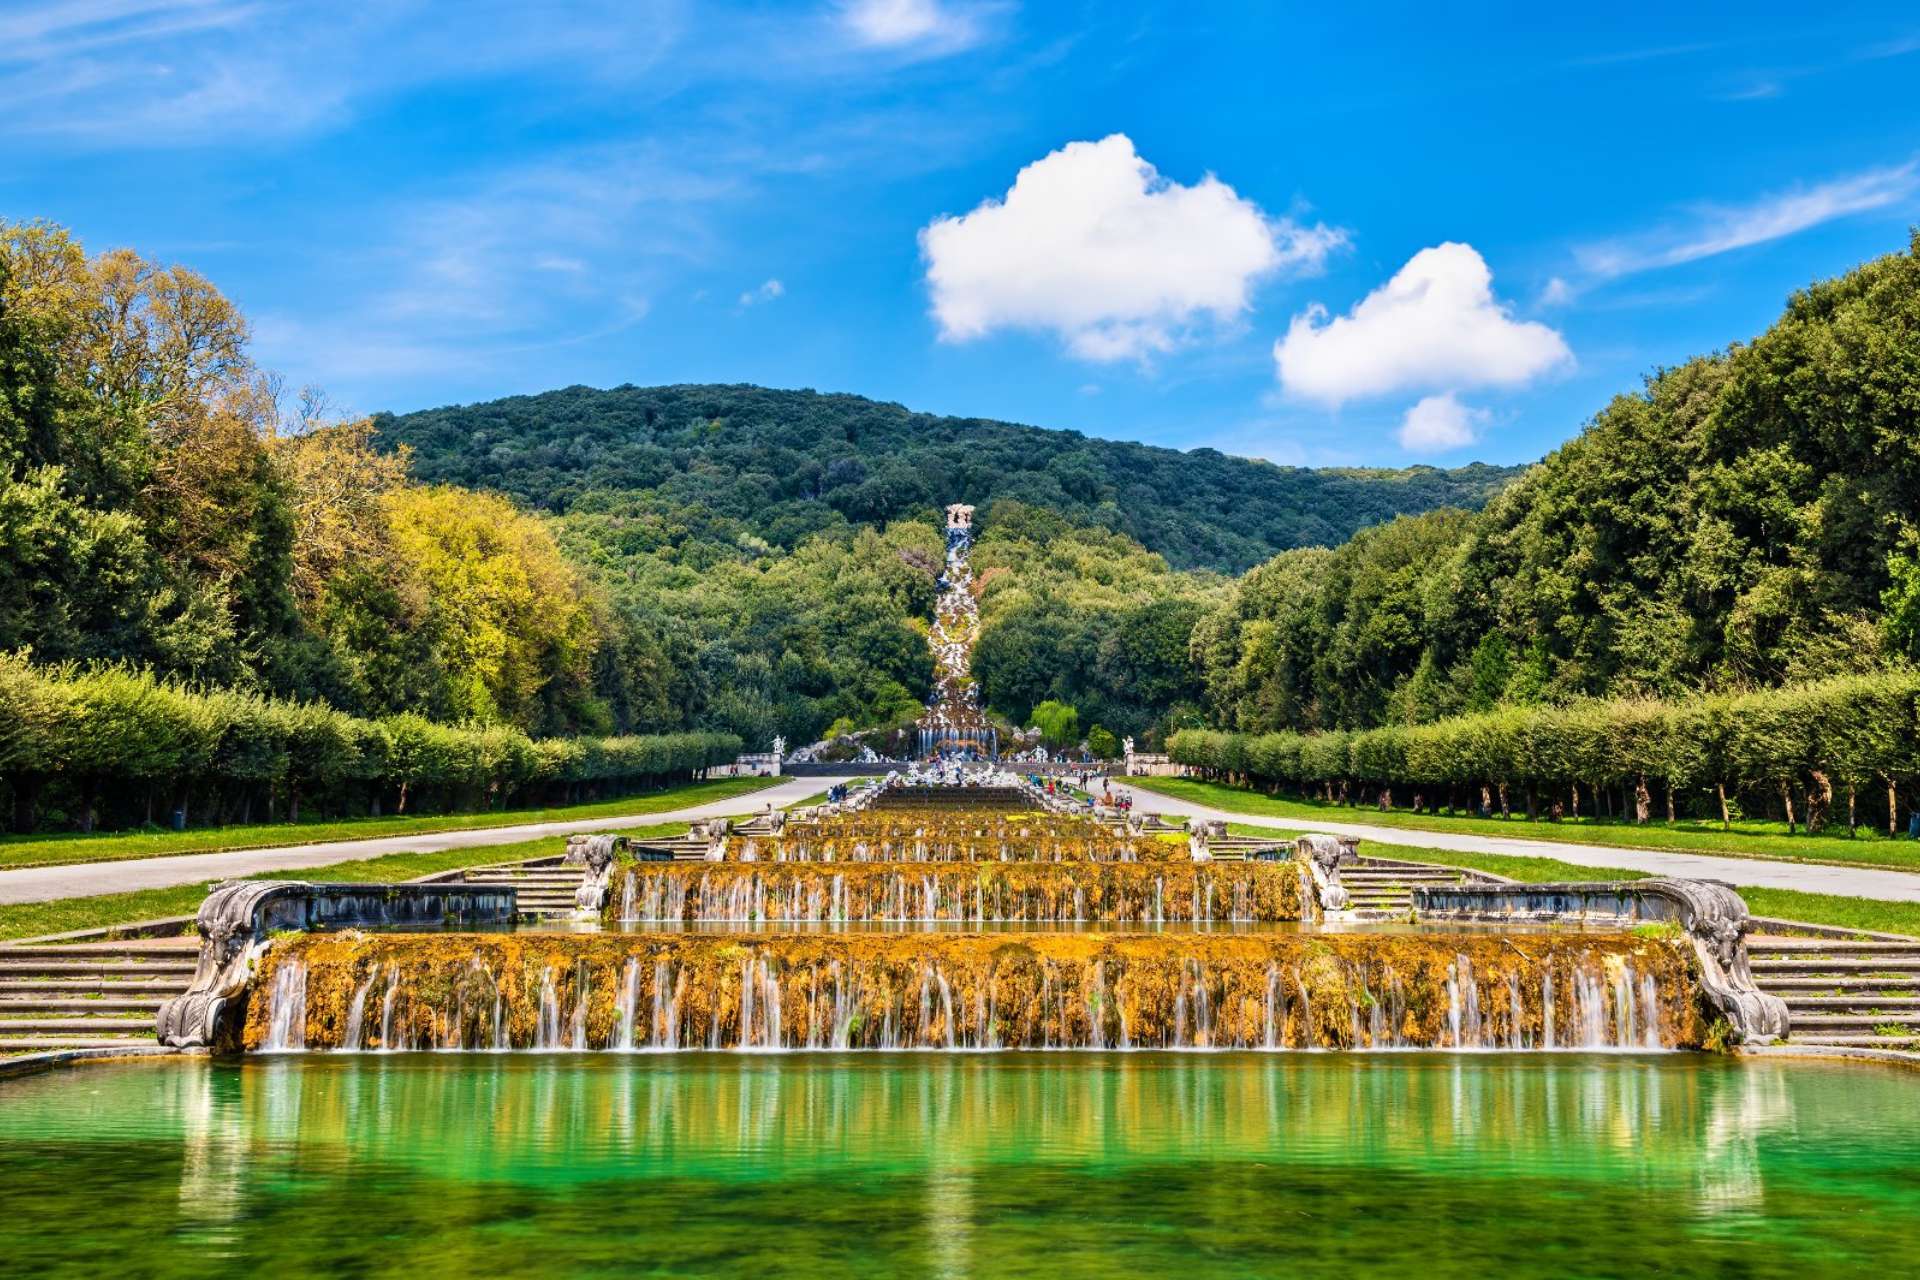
pixel 507 611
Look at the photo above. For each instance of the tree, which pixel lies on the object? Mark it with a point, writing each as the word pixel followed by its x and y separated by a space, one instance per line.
pixel 1102 743
pixel 1058 723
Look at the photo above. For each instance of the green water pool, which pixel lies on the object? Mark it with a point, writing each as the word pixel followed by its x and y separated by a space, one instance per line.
pixel 1051 1165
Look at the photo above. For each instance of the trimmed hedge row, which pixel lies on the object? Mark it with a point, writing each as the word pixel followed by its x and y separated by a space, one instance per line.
pixel 118 729
pixel 1856 732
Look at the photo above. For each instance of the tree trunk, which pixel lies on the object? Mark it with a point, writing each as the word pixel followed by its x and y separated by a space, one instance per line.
pixel 293 803
pixel 88 790
pixel 1670 802
pixel 1853 815
pixel 1786 800
pixel 1642 801
pixel 402 807
pixel 1533 804
pixel 1893 810
pixel 1504 811
pixel 1573 810
pixel 1486 802
pixel 26 791
pixel 1819 801
pixel 1726 814
pixel 1386 799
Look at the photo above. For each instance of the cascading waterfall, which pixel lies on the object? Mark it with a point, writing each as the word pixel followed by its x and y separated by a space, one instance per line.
pixel 1009 893
pixel 287 1008
pixel 356 1012
pixel 976 991
pixel 628 1003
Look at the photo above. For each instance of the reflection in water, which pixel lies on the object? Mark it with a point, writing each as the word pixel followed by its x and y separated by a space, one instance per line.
pixel 1064 1164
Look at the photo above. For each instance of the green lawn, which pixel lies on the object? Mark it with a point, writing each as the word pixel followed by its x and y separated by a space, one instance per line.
pixel 1745 840
pixel 61 915
pixel 60 850
pixel 1785 904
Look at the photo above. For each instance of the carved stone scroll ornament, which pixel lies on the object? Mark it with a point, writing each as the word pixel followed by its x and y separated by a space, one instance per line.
pixel 238 921
pixel 714 832
pixel 230 944
pixel 1717 922
pixel 595 854
pixel 1322 856
pixel 1201 833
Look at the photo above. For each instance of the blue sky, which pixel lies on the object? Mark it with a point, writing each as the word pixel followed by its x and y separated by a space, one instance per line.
pixel 1271 229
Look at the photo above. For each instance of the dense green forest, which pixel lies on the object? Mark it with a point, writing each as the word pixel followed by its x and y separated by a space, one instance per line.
pixel 1748 519
pixel 775 467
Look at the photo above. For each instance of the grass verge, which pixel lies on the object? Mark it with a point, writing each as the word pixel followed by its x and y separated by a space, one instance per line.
pixel 1745 840
pixel 61 915
pixel 63 850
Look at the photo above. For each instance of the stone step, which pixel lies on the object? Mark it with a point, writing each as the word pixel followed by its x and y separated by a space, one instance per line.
pixel 1840 964
pixel 159 987
pixel 1859 1042
pixel 170 950
pixel 28 1026
pixel 1394 873
pixel 41 1044
pixel 58 969
pixel 1841 1021
pixel 12 1005
pixel 1902 1005
pixel 1841 983
pixel 1849 946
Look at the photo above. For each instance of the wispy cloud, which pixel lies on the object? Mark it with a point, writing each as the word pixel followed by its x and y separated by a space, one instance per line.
pixel 934 26
pixel 1717 229
pixel 154 73
pixel 765 293
pixel 1650 53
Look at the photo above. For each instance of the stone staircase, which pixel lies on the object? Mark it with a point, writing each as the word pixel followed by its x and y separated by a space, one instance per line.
pixel 1848 992
pixel 546 885
pixel 1383 887
pixel 89 995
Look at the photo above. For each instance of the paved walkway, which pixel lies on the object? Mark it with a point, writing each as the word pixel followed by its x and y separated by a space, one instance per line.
pixel 90 879
pixel 1852 882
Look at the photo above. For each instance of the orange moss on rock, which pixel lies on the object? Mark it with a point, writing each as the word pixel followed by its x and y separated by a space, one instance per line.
pixel 1031 892
pixel 1360 990
pixel 957 835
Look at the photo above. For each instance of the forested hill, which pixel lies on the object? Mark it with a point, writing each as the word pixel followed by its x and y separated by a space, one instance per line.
pixel 786 464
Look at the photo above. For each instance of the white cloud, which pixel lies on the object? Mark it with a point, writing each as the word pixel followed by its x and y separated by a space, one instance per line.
pixel 1557 293
pixel 894 24
pixel 1093 244
pixel 1719 229
pixel 1439 423
pixel 765 293
pixel 1436 325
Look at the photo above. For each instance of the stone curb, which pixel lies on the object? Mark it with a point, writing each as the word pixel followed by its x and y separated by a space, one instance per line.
pixel 34 1063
